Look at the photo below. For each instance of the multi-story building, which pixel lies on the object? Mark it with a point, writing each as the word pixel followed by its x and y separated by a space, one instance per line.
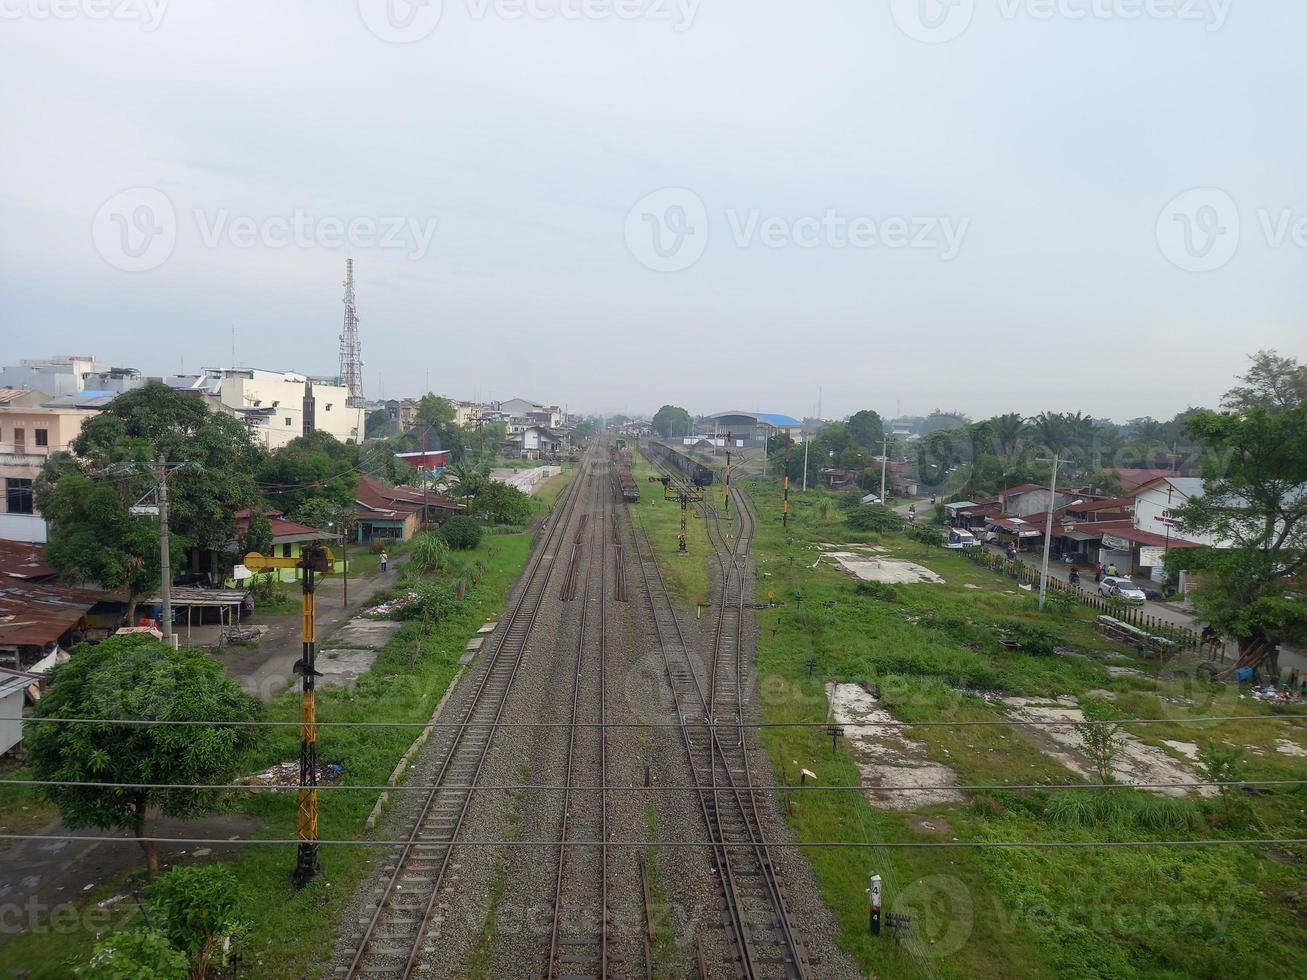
pixel 30 430
pixel 278 406
pixel 69 374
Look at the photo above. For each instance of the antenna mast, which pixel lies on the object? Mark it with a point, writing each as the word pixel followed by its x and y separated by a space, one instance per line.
pixel 351 351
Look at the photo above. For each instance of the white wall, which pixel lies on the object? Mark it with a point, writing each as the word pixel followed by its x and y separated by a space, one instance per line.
pixel 23 527
pixel 1151 505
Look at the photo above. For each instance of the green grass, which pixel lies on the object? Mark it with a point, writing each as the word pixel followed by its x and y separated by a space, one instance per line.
pixel 1165 912
pixel 291 933
pixel 686 577
pixel 547 493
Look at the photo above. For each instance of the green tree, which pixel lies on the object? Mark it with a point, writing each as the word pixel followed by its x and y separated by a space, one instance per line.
pixel 1254 501
pixel 672 421
pixel 296 474
pixel 135 677
pixel 214 456
pixel 1273 382
pixel 498 503
pixel 867 430
pixel 379 425
pixel 95 538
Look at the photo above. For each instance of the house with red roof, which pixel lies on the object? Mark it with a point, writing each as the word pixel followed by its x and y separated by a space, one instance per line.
pixel 387 513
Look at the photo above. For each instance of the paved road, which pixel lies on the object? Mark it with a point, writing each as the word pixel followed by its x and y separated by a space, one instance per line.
pixel 266 669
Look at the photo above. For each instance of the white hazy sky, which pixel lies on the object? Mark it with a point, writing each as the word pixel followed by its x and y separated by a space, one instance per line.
pixel 1048 138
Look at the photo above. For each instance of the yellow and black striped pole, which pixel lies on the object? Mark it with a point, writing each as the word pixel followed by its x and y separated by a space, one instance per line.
pixel 314 559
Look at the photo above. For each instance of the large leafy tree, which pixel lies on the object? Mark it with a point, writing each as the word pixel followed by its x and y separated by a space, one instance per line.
pixel 1255 503
pixel 135 677
pixel 672 420
pixel 212 458
pixel 95 538
pixel 867 430
pixel 300 471
pixel 1273 382
pixel 434 427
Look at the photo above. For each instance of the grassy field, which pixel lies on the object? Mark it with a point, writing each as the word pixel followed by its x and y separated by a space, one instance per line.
pixel 290 933
pixel 1098 911
pixel 1118 912
pixel 686 576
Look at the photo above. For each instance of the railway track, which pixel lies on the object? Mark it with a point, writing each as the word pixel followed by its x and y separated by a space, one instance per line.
pixel 579 943
pixel 714 739
pixel 408 903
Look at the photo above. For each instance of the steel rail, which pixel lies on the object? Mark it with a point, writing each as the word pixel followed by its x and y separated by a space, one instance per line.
pixel 517 631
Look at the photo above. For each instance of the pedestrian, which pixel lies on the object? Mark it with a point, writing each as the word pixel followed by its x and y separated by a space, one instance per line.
pixel 1075 577
pixel 1111 569
pixel 1098 572
pixel 385 562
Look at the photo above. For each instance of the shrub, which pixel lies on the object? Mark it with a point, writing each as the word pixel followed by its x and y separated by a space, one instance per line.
pixel 196 907
pixel 461 533
pixel 499 503
pixel 428 554
pixel 874 518
pixel 882 591
pixel 850 500
pixel 136 954
pixel 1121 809
pixel 1038 641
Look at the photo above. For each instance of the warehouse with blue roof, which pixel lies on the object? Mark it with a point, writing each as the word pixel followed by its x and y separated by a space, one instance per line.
pixel 749 429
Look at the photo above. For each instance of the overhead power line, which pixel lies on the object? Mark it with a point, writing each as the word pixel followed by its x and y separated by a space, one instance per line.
pixel 677 725
pixel 516 842
pixel 656 788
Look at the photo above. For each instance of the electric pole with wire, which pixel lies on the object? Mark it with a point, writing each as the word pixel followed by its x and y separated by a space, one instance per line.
pixel 165 557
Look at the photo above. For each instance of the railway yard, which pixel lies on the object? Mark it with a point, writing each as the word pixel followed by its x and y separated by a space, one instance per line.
pixel 596 807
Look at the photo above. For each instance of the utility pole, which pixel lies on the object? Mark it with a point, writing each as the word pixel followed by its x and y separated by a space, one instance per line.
pixel 785 512
pixel 165 558
pixel 884 465
pixel 1048 533
pixel 426 473
pixel 805 462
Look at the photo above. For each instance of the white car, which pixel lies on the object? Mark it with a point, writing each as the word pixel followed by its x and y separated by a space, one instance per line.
pixel 1120 588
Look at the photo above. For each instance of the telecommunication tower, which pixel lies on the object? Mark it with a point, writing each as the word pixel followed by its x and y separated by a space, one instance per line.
pixel 351 351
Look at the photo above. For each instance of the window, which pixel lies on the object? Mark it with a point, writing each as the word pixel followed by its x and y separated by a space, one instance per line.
pixel 20 440
pixel 288 420
pixel 42 437
pixel 18 496
pixel 285 551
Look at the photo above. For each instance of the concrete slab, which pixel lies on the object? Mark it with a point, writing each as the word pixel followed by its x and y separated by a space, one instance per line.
pixel 343 668
pixel 475 643
pixel 467 657
pixel 370 634
pixel 488 628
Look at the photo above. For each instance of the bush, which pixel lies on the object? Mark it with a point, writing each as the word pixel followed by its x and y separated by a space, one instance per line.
pixel 461 533
pixel 1121 809
pixel 874 518
pixel 850 500
pixel 883 591
pixel 136 954
pixel 428 554
pixel 1038 641
pixel 196 907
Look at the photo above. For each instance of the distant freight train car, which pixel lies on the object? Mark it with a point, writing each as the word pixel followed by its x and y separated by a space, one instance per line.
pixel 695 471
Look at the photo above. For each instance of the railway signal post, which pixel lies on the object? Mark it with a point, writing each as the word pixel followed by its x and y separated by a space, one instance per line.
pixel 314 559
pixel 684 494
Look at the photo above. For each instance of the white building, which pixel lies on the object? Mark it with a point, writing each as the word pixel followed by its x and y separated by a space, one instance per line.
pixel 1157 501
pixel 278 406
pixel 520 412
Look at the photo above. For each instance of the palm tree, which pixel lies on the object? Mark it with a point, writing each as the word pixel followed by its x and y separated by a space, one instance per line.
pixel 1008 431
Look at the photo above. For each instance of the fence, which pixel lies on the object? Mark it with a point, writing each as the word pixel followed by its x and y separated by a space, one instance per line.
pixel 1182 636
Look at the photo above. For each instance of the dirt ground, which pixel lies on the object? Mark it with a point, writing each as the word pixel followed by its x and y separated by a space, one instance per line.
pixel 885 756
